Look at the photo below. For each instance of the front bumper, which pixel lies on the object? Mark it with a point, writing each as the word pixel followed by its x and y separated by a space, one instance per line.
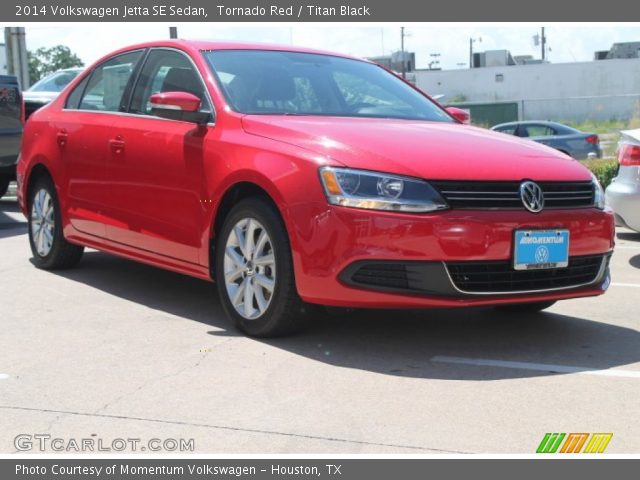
pixel 471 279
pixel 333 242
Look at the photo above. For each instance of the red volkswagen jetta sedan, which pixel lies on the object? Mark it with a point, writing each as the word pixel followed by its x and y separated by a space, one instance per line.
pixel 293 177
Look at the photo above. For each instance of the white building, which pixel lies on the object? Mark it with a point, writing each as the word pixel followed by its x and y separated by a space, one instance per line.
pixel 599 90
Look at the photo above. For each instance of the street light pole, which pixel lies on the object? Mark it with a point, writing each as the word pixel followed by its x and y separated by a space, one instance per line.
pixel 471 42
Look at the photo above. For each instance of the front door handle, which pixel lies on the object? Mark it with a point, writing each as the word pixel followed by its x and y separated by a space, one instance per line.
pixel 117 144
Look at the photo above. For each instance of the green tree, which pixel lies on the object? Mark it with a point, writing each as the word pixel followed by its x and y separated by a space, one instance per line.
pixel 48 60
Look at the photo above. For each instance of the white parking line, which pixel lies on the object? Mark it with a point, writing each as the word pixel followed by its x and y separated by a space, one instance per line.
pixel 628 247
pixel 616 284
pixel 540 367
pixel 3 376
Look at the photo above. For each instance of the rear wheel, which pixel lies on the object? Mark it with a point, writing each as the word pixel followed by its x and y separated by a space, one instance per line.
pixel 524 307
pixel 4 185
pixel 254 271
pixel 49 247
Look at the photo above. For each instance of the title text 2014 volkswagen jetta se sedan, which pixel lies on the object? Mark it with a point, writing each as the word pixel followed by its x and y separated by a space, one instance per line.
pixel 293 177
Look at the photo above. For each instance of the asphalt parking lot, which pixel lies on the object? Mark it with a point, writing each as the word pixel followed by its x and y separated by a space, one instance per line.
pixel 114 349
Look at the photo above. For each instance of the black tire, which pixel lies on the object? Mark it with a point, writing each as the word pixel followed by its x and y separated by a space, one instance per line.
pixel 62 253
pixel 532 307
pixel 4 185
pixel 286 312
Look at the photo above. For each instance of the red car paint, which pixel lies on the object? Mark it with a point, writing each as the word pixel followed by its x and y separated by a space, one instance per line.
pixel 178 100
pixel 150 189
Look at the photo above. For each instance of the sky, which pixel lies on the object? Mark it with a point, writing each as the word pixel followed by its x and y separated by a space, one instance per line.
pixel 568 43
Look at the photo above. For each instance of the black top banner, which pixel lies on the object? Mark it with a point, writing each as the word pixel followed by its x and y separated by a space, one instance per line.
pixel 22 11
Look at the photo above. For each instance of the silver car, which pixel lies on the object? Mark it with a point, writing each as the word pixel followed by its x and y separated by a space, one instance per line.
pixel 623 194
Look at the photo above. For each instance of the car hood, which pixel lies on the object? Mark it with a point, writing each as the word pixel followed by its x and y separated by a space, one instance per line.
pixel 430 150
pixel 40 97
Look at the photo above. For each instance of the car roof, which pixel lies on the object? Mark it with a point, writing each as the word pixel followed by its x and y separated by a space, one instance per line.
pixel 208 45
pixel 536 122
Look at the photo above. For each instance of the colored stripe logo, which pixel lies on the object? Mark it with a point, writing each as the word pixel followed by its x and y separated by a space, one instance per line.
pixel 574 443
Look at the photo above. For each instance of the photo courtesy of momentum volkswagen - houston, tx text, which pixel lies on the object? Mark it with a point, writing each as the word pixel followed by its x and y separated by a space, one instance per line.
pixel 296 178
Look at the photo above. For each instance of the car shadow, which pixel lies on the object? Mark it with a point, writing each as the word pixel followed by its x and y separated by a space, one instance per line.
pixel 630 236
pixel 9 226
pixel 391 342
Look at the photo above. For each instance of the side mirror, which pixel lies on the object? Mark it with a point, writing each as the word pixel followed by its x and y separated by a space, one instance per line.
pixel 463 116
pixel 182 106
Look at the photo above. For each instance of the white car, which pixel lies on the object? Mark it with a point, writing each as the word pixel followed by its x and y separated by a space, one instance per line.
pixel 623 194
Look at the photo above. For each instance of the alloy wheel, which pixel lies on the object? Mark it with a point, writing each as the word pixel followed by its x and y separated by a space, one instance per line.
pixel 249 268
pixel 42 222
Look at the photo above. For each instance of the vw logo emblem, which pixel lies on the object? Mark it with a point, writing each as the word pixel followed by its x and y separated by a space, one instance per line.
pixel 532 196
pixel 542 254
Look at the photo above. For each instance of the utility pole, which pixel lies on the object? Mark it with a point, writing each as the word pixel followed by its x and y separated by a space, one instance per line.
pixel 404 69
pixel 16 51
pixel 543 43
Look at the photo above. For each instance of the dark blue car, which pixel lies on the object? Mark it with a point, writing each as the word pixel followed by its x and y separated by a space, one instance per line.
pixel 577 144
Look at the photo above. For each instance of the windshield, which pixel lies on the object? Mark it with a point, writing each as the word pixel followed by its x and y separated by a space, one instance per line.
pixel 291 83
pixel 54 82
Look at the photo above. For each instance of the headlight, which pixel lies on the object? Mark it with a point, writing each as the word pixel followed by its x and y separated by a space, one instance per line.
pixel 598 193
pixel 379 191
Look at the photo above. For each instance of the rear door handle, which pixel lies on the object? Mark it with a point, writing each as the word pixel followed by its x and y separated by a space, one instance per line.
pixel 117 144
pixel 62 137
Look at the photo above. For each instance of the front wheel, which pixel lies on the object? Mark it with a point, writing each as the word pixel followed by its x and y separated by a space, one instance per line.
pixel 49 247
pixel 254 271
pixel 531 307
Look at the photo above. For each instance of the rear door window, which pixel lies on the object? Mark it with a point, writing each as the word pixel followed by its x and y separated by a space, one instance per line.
pixel 108 82
pixel 73 100
pixel 539 131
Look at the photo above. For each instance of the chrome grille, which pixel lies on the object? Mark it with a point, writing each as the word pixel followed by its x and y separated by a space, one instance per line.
pixel 506 195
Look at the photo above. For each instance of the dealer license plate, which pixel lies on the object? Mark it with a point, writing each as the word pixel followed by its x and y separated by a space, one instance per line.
pixel 540 249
